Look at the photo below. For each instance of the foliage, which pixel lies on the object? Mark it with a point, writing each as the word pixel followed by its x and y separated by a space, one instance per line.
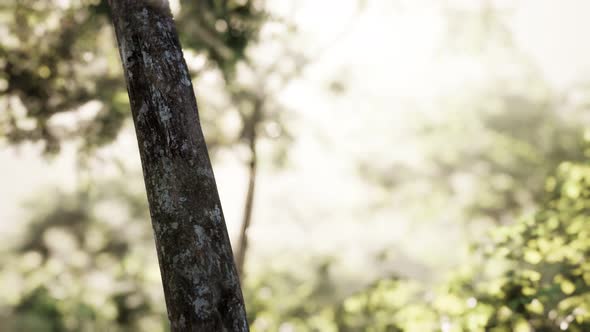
pixel 86 262
pixel 61 77
pixel 69 68
pixel 499 146
pixel 223 29
pixel 530 276
pixel 77 268
pixel 534 276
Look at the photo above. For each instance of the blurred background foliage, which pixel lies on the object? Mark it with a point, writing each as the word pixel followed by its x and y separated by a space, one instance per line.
pixel 70 85
pixel 505 161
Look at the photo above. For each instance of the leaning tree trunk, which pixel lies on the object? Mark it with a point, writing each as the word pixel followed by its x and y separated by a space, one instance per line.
pixel 201 283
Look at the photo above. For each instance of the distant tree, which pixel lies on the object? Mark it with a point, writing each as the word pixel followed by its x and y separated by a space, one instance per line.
pixel 201 283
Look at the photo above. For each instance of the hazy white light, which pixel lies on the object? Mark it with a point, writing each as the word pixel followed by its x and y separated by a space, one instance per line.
pixel 174 6
pixel 231 123
pixel 26 123
pixel 31 260
pixel 194 61
pixel 69 121
pixel 221 26
pixel 19 110
pixel 87 56
pixel 59 241
pixel 273 129
pixel 286 327
pixel 63 4
pixel 89 110
pixel 445 325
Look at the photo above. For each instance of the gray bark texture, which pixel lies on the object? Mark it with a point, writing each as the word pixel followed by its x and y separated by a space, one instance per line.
pixel 201 283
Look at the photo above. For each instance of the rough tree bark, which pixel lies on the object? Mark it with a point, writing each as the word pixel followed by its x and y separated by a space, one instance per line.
pixel 201 283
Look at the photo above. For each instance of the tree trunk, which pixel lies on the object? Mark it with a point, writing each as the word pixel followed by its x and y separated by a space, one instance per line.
pixel 201 283
pixel 248 207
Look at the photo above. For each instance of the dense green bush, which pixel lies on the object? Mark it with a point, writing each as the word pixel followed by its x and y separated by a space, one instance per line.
pixel 534 276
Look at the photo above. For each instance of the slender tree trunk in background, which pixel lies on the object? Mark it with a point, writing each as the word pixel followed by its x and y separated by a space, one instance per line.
pixel 201 283
pixel 251 134
pixel 248 206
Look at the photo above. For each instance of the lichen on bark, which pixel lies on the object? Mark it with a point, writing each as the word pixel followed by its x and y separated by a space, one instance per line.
pixel 201 284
